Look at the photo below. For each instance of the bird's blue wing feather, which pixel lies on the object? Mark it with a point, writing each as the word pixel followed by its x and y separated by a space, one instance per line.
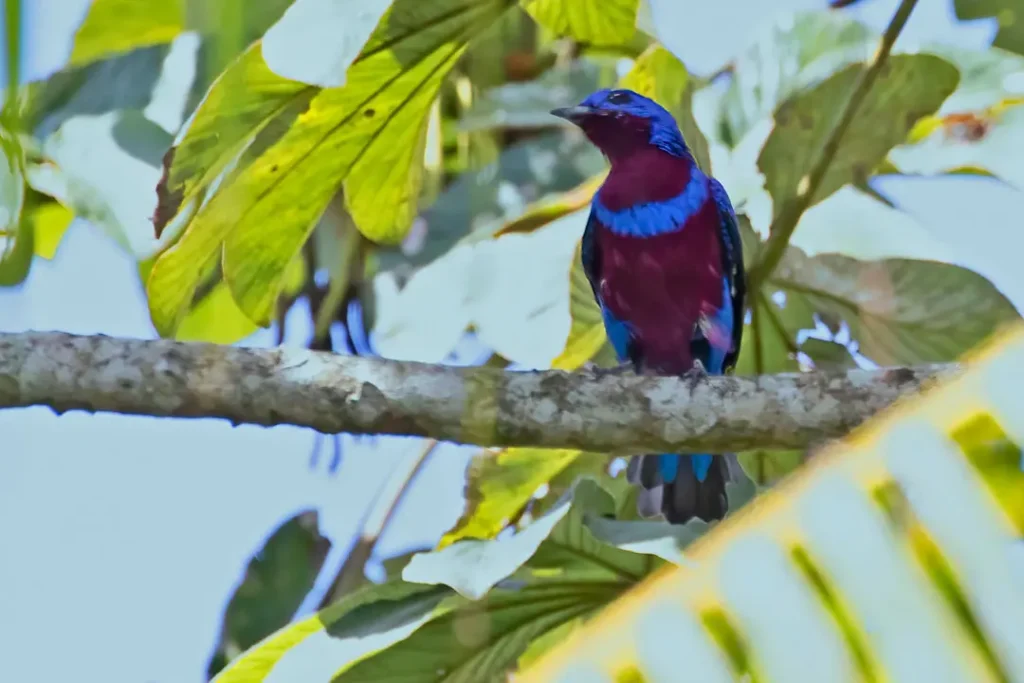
pixel 617 330
pixel 734 276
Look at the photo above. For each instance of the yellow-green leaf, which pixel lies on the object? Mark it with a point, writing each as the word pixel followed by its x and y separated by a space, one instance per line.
pixel 116 26
pixel 598 22
pixel 216 318
pixel 500 484
pixel 240 103
pixel 265 213
pixel 50 220
pixel 908 88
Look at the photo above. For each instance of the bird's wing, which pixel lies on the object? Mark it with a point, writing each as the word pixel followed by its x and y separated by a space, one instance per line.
pixel 732 265
pixel 618 331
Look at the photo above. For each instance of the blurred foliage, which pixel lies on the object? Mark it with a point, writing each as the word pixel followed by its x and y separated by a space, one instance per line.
pixel 392 165
pixel 277 580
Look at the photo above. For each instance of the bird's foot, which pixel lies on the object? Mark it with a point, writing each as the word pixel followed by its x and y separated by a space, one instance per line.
pixel 695 375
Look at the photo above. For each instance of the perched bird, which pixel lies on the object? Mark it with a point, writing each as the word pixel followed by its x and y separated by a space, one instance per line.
pixel 663 256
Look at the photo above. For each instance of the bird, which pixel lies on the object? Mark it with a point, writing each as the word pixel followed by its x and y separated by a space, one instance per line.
pixel 662 253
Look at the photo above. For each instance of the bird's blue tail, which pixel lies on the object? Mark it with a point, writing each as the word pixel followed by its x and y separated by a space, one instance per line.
pixel 682 487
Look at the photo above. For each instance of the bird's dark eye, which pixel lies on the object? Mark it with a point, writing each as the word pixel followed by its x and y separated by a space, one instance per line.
pixel 619 97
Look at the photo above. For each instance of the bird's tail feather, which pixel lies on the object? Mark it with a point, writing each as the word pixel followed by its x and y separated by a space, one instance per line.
pixel 682 487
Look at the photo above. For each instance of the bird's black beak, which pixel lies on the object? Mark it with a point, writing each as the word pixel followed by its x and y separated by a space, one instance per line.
pixel 575 114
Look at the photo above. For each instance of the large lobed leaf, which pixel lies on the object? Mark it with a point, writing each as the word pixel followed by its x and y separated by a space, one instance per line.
pixel 599 22
pixel 118 26
pixel 908 88
pixel 554 573
pixel 367 133
pixel 275 583
pixel 900 311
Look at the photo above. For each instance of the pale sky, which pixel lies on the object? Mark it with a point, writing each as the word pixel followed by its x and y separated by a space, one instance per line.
pixel 123 537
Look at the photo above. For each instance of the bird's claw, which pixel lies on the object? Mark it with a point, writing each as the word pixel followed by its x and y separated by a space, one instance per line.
pixel 695 375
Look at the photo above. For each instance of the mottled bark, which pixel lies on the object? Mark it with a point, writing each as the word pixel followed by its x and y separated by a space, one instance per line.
pixel 620 412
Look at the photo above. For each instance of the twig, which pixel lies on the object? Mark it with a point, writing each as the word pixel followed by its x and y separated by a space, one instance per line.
pixel 377 519
pixel 783 226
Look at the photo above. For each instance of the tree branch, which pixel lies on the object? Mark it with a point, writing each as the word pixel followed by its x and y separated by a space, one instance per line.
pixel 614 413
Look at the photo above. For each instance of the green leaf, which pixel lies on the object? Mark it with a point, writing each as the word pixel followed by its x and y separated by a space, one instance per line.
pixel 500 484
pixel 216 319
pixel 828 355
pixel 16 231
pixel 240 103
pixel 900 311
pixel 50 221
pixel 1008 13
pixel 479 642
pixel 790 55
pixel 116 26
pixel 908 88
pixel 277 580
pixel 317 40
pixel 366 130
pixel 570 574
pixel 104 169
pixel 122 82
pixel 356 626
pixel 598 22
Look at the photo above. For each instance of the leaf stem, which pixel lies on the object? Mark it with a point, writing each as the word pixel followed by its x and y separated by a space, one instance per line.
pixel 785 223
pixel 379 516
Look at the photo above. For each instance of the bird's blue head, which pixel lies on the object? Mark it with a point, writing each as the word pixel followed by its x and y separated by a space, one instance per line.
pixel 619 121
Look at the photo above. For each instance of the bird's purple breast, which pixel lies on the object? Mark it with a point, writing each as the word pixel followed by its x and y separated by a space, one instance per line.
pixel 661 285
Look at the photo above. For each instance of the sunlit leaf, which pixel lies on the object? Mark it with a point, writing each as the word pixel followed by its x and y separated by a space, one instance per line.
pixel 216 319
pixel 908 88
pixel 116 26
pixel 500 484
pixel 265 213
pixel 599 22
pixel 317 40
pixel 359 624
pixel 277 580
pixel 50 221
pixel 240 103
